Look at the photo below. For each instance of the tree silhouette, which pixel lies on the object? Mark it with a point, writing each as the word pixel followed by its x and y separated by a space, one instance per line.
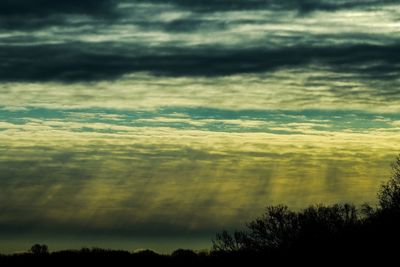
pixel 38 249
pixel 184 253
pixel 230 243
pixel 277 228
pixel 282 229
pixel 321 228
pixel 389 194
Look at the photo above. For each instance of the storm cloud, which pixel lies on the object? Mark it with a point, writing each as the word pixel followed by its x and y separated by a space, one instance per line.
pixel 302 6
pixel 31 14
pixel 108 39
pixel 84 62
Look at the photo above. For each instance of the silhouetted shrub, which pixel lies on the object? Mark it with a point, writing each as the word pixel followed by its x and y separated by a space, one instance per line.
pixel 184 253
pixel 146 253
pixel 38 249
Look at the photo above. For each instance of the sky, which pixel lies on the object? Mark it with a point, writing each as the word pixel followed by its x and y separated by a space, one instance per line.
pixel 155 124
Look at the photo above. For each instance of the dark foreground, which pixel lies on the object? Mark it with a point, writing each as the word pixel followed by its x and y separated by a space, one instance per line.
pixel 99 257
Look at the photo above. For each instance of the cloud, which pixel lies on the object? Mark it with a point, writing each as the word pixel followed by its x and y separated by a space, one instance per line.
pixel 299 88
pixel 31 14
pixel 104 61
pixel 302 6
pixel 46 7
pixel 63 176
pixel 125 182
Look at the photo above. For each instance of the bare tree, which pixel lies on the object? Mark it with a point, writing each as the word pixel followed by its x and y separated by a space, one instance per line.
pixel 389 194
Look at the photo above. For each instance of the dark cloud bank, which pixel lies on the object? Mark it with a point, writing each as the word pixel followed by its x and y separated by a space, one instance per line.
pixel 38 8
pixel 74 61
pixel 92 62
pixel 33 14
pixel 302 6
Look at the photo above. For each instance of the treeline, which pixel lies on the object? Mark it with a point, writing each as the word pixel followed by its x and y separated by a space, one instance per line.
pixel 319 234
pixel 337 232
pixel 98 256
